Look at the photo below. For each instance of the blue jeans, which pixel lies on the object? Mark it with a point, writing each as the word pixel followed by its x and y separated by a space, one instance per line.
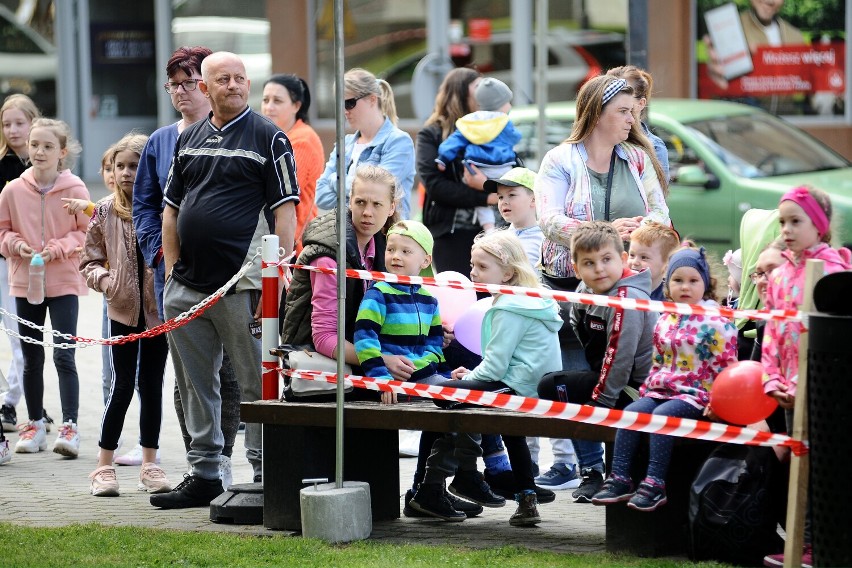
pixel 627 441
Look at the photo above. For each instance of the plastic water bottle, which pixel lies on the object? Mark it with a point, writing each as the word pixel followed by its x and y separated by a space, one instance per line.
pixel 35 290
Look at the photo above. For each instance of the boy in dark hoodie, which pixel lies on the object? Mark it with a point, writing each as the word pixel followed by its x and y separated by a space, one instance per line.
pixel 617 341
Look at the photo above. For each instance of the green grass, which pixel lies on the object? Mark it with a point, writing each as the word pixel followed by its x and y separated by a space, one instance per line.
pixel 96 545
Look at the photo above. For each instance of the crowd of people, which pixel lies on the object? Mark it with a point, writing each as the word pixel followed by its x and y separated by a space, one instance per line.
pixel 148 248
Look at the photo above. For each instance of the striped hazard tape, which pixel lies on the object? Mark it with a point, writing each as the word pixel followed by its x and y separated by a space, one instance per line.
pixel 641 422
pixel 561 296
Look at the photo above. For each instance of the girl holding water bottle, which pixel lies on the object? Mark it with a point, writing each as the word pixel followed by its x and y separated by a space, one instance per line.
pixel 42 245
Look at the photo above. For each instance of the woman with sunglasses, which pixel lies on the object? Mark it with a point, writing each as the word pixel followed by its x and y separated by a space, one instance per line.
pixel 370 109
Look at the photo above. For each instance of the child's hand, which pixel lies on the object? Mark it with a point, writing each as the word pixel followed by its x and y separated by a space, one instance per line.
pixel 24 250
pixel 388 397
pixel 448 334
pixel 710 415
pixel 45 256
pixel 441 167
pixel 459 374
pixel 785 400
pixel 74 205
pixel 400 367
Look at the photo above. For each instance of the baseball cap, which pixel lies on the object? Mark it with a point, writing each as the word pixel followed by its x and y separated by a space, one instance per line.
pixel 421 235
pixel 513 178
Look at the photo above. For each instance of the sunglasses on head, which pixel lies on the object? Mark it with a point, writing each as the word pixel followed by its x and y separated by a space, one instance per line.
pixel 349 104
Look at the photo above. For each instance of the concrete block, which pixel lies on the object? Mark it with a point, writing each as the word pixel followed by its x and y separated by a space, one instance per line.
pixel 337 515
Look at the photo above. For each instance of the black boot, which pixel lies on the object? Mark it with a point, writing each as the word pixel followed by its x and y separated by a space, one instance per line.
pixel 431 499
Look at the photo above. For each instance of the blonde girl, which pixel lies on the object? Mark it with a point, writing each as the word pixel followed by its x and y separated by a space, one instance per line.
pixel 17 115
pixel 33 220
pixel 520 344
pixel 112 264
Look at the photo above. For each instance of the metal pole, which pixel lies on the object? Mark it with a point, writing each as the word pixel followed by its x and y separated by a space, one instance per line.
pixel 269 315
pixel 542 9
pixel 637 33
pixel 341 233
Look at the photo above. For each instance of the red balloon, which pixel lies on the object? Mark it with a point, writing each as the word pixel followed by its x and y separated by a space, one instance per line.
pixel 737 394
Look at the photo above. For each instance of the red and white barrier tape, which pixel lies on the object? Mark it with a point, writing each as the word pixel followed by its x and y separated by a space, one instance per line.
pixel 561 296
pixel 640 422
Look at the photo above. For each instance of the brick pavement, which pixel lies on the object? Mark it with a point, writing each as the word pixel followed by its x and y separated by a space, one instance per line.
pixel 46 489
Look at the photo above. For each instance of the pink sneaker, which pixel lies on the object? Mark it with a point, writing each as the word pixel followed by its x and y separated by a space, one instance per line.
pixel 774 560
pixel 104 482
pixel 153 479
pixel 31 438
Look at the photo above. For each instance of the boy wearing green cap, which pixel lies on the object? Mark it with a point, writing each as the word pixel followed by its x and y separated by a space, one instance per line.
pixel 516 203
pixel 402 320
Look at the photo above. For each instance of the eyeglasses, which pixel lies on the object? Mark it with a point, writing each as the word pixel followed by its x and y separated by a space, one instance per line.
pixel 188 85
pixel 755 276
pixel 349 104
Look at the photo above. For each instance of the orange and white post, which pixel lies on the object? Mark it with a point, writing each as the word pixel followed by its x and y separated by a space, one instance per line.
pixel 269 316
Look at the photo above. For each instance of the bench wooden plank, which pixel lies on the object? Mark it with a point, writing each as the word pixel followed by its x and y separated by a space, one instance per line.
pixel 421 416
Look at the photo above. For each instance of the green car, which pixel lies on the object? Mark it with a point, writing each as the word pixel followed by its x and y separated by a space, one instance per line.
pixel 724 159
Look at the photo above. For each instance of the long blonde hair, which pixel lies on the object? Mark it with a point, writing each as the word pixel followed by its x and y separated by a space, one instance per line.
pixel 507 248
pixel 362 83
pixel 589 110
pixel 24 104
pixel 133 142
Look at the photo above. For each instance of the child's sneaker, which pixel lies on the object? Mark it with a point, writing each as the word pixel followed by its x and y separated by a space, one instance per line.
pixel 614 490
pixel 134 457
pixel 8 416
pixel 104 482
pixel 773 560
pixel 5 452
pixel 559 476
pixel 471 485
pixel 526 515
pixel 225 472
pixel 431 499
pixel 591 484
pixel 648 497
pixel 68 441
pixel 31 438
pixel 153 479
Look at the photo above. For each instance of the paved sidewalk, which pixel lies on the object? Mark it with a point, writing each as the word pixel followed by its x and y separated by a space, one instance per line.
pixel 46 489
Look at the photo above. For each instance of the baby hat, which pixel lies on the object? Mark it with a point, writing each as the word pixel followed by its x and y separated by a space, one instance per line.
pixel 421 235
pixel 734 261
pixel 692 258
pixel 491 94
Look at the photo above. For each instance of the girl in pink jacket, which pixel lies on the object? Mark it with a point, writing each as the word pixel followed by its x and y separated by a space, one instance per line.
pixel 33 220
pixel 805 217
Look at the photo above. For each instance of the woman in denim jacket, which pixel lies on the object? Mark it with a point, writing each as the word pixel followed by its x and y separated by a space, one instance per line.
pixel 371 111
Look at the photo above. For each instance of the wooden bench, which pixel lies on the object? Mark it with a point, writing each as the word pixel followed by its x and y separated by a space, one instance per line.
pixel 299 443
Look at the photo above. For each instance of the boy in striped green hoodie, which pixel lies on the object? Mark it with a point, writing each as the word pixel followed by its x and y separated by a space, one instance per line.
pixel 398 325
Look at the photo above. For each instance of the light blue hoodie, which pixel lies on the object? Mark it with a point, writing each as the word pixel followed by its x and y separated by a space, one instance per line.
pixel 520 343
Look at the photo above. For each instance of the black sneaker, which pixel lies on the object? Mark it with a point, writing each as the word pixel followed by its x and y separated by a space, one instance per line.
pixel 614 490
pixel 648 497
pixel 503 484
pixel 258 478
pixel 466 507
pixel 526 515
pixel 592 483
pixel 193 491
pixel 48 421
pixel 431 498
pixel 471 485
pixel 8 417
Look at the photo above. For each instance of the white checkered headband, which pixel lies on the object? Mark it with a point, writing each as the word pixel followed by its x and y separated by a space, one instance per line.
pixel 613 89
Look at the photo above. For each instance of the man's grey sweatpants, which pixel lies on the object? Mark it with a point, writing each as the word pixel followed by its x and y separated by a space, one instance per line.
pixel 196 350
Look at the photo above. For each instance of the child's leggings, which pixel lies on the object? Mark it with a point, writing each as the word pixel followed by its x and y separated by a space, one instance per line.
pixel 626 441
pixel 147 357
pixel 63 318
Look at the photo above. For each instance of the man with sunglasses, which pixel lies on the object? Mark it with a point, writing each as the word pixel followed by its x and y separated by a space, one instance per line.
pixel 232 180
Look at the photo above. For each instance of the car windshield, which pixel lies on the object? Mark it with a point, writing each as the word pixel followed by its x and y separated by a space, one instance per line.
pixel 757 145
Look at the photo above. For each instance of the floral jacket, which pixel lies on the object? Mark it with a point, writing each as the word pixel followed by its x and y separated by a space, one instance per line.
pixel 689 351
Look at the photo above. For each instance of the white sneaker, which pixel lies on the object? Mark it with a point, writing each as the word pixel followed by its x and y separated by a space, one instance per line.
pixel 31 438
pixel 104 482
pixel 153 479
pixel 5 452
pixel 68 441
pixel 225 473
pixel 134 457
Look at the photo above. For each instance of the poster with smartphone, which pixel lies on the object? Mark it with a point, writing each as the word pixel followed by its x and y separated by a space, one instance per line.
pixel 787 56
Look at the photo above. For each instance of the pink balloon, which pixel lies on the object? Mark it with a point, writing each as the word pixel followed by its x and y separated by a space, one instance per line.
pixel 452 302
pixel 468 329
